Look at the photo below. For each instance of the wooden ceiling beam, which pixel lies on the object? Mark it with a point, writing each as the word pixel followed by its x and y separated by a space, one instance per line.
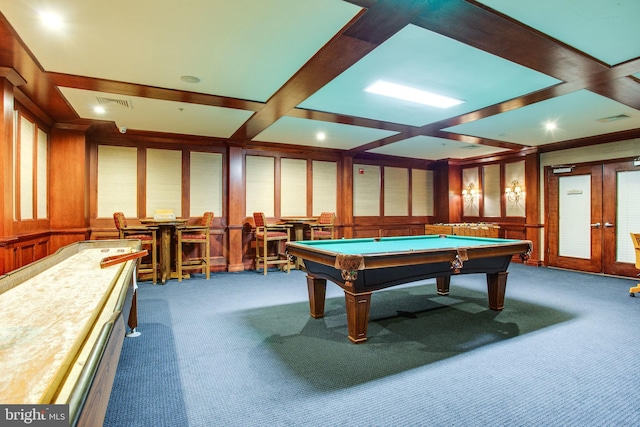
pixel 370 28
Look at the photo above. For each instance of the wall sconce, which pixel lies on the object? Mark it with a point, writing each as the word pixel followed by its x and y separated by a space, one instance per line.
pixel 514 192
pixel 469 193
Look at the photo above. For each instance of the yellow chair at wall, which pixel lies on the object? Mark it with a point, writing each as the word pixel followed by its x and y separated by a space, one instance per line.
pixel 323 229
pixel 270 235
pixel 636 244
pixel 147 237
pixel 194 235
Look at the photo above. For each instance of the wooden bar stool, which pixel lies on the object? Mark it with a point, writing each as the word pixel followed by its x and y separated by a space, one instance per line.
pixel 194 235
pixel 636 245
pixel 323 229
pixel 147 237
pixel 275 234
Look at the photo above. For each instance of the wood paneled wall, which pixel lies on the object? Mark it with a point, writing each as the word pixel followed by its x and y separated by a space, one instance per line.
pixel 73 206
pixel 73 162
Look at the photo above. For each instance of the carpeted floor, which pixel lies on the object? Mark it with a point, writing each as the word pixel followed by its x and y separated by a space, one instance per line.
pixel 242 350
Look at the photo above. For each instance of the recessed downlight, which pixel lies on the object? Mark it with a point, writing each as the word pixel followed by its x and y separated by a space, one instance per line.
pixel 190 79
pixel 51 20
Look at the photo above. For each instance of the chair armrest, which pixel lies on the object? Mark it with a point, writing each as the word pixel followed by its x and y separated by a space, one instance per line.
pixel 139 228
pixel 192 227
pixel 278 226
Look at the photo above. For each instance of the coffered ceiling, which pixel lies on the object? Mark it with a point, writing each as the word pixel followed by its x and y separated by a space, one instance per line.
pixel 283 71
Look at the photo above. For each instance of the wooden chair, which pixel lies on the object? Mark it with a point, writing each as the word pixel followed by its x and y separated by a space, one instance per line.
pixel 147 237
pixel 636 244
pixel 276 235
pixel 323 229
pixel 193 235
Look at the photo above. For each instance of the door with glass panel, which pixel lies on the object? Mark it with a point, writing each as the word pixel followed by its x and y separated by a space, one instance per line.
pixel 621 208
pixel 591 211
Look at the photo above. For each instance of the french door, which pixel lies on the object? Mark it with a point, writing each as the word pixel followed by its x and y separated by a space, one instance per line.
pixel 591 209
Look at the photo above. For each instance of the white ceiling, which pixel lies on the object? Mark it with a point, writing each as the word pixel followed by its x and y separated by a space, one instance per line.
pixel 576 115
pixel 605 29
pixel 248 49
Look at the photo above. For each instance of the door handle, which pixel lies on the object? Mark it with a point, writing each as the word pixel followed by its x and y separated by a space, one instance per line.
pixel 596 225
pixel 608 225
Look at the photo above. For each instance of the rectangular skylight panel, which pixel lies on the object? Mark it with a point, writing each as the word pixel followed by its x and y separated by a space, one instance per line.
pixel 410 94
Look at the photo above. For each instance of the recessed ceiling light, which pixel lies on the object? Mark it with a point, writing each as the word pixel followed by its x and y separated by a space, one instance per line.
pixel 99 109
pixel 51 20
pixel 407 93
pixel 190 79
pixel 321 136
pixel 550 125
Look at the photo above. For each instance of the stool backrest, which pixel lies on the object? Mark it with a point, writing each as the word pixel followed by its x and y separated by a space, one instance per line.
pixel 636 244
pixel 207 219
pixel 120 220
pixel 326 218
pixel 259 219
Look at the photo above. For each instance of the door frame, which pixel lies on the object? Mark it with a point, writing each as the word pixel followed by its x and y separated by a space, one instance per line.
pixel 603 211
pixel 610 214
pixel 552 203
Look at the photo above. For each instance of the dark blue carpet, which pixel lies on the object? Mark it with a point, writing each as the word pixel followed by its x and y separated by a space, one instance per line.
pixel 242 350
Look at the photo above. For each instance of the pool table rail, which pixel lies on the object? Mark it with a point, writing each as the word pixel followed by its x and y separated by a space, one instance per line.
pixel 377 260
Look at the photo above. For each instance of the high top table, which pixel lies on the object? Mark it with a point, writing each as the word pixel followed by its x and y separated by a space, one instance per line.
pixel 298 223
pixel 166 227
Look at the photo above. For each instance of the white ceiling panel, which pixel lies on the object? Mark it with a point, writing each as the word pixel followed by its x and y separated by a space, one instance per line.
pixel 431 148
pixel 576 115
pixel 148 114
pixel 149 43
pixel 608 30
pixel 293 130
pixel 428 61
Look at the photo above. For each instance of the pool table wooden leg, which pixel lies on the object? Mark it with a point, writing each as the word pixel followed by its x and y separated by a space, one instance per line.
pixel 357 315
pixel 317 292
pixel 442 285
pixel 496 286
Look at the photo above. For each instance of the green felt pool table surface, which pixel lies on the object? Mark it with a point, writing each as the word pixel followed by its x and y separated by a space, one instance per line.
pixel 401 244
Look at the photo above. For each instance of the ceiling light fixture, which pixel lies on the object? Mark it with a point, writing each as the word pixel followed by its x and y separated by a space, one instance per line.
pixel 320 136
pixel 407 93
pixel 550 125
pixel 51 20
pixel 99 110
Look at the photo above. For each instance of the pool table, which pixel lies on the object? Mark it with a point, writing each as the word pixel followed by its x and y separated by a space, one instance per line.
pixel 361 266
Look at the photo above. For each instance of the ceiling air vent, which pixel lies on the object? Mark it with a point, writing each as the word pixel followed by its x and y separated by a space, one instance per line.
pixel 613 118
pixel 121 102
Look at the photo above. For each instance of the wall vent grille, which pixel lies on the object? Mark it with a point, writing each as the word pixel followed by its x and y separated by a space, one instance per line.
pixel 613 118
